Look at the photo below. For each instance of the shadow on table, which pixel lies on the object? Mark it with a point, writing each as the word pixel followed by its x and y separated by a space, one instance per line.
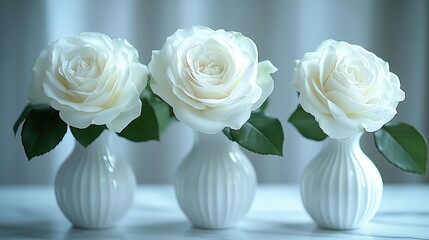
pixel 107 233
pixel 304 229
pixel 184 230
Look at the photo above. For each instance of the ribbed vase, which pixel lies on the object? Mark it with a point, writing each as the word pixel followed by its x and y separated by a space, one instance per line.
pixel 341 188
pixel 215 183
pixel 95 187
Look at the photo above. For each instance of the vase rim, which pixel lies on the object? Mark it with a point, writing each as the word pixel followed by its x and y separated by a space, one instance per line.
pixel 357 135
pixel 217 139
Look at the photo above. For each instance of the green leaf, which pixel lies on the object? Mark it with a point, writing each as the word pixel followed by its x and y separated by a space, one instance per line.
pixel 227 132
pixel 403 146
pixel 148 94
pixel 42 131
pixel 163 111
pixel 143 128
pixel 260 134
pixel 25 113
pixel 263 106
pixel 22 117
pixel 306 124
pixel 87 135
pixel 163 114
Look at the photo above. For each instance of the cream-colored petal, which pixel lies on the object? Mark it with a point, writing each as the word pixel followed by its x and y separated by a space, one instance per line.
pixel 264 81
pixel 122 121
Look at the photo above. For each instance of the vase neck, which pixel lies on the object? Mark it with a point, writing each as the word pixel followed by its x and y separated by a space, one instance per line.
pixel 352 142
pixel 212 141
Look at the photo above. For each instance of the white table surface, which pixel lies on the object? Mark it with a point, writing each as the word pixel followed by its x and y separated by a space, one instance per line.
pixel 31 212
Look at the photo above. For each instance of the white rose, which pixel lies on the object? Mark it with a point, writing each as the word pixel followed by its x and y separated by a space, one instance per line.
pixel 211 79
pixel 90 79
pixel 347 89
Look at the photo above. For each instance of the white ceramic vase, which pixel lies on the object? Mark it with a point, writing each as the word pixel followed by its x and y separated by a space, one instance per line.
pixel 215 183
pixel 94 187
pixel 341 188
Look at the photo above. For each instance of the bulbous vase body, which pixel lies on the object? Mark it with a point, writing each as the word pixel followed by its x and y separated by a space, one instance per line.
pixel 215 183
pixel 341 188
pixel 94 187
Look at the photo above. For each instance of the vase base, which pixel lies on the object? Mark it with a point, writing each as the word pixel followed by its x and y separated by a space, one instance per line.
pixel 86 227
pixel 214 228
pixel 336 228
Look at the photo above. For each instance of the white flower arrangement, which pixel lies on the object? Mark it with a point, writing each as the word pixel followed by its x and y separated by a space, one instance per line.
pixel 345 90
pixel 213 81
pixel 88 82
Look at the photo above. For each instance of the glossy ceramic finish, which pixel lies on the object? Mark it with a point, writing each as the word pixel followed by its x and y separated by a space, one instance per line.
pixel 341 188
pixel 215 183
pixel 95 187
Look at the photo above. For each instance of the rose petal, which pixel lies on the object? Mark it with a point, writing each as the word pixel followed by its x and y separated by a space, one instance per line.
pixel 90 79
pixel 264 81
pixel 197 120
pixel 125 117
pixel 77 119
pixel 209 77
pixel 139 76
pixel 347 88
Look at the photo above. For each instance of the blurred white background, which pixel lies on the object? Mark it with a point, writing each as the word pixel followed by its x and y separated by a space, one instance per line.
pixel 396 31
